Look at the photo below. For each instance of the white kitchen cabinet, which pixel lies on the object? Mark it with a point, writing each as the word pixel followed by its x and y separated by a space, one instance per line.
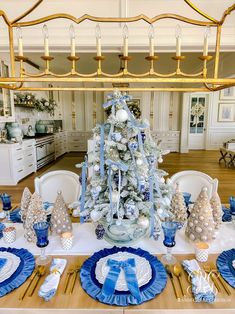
pixel 170 140
pixel 77 141
pixel 60 144
pixel 17 161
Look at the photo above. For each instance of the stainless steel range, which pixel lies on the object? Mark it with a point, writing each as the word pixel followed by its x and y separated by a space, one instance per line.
pixel 45 150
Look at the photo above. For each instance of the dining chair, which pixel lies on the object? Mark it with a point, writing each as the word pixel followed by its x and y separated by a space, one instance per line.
pixel 192 181
pixel 48 185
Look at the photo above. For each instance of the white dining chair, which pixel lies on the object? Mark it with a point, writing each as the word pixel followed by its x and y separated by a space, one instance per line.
pixel 48 185
pixel 192 181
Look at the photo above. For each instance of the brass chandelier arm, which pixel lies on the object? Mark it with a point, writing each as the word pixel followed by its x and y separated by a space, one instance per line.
pixel 218 88
pixel 152 80
pixel 3 14
pixel 110 89
pixel 65 75
pixel 27 12
pixel 193 6
pixel 12 87
pixel 226 13
pixel 114 19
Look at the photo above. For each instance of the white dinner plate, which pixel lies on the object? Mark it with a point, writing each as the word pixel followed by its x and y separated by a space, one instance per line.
pixel 10 267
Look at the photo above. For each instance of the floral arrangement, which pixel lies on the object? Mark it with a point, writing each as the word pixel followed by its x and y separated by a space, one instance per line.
pixel 29 100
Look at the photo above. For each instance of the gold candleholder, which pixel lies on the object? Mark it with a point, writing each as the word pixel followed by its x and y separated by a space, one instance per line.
pixel 126 59
pixel 99 59
pixel 151 59
pixel 48 59
pixel 73 59
pixel 205 59
pixel 178 59
pixel 21 59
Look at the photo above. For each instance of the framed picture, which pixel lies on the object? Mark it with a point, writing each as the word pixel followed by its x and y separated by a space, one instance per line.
pixel 227 93
pixel 226 112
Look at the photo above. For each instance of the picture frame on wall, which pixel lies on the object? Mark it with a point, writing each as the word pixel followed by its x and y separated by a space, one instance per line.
pixel 227 93
pixel 226 112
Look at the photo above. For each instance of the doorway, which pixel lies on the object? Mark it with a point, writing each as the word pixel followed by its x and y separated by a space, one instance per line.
pixel 198 121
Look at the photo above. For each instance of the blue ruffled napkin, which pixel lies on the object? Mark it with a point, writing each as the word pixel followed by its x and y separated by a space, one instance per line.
pixel 201 288
pixel 49 287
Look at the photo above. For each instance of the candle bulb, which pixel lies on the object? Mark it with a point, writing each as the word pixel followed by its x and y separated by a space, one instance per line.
pixel 98 40
pixel 178 40
pixel 46 37
pixel 72 38
pixel 151 40
pixel 206 36
pixel 125 40
pixel 20 42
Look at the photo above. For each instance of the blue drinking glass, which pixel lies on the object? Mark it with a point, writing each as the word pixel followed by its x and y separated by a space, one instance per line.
pixel 41 231
pixel 232 204
pixel 6 204
pixel 169 230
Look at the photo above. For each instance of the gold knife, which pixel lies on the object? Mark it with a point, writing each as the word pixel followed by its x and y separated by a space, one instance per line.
pixel 22 295
pixel 41 271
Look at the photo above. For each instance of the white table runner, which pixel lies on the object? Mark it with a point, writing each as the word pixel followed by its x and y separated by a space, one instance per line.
pixel 85 242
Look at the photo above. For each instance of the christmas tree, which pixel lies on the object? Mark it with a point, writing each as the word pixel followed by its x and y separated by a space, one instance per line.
pixel 216 210
pixel 127 193
pixel 201 224
pixel 178 208
pixel 60 219
pixel 35 213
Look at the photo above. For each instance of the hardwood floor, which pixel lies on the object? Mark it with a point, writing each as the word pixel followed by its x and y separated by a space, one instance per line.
pixel 205 161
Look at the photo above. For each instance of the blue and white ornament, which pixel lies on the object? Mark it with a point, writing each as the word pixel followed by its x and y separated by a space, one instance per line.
pixel 143 135
pixel 146 195
pixel 142 184
pixel 116 136
pixel 151 159
pixel 133 145
pixel 131 211
pixel 100 232
pixel 156 234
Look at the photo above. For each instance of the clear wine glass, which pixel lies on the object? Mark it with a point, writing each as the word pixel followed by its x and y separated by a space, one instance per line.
pixel 169 230
pixel 41 231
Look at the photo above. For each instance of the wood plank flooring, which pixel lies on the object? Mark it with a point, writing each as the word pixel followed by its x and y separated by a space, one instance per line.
pixel 205 161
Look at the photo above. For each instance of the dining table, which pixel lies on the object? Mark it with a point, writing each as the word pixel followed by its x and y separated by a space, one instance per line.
pixel 85 244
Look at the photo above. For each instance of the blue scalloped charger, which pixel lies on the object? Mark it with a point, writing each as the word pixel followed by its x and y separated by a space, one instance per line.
pixel 225 266
pixel 123 298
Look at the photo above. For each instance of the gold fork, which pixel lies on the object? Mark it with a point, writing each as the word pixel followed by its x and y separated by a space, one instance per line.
pixel 211 274
pixel 41 271
pixel 23 294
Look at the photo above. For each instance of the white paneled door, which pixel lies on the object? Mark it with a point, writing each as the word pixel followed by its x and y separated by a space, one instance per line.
pixel 198 121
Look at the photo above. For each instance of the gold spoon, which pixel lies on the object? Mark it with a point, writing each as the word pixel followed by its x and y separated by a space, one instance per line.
pixel 177 271
pixel 168 270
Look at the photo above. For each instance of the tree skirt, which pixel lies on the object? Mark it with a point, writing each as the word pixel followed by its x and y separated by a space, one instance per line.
pixel 148 291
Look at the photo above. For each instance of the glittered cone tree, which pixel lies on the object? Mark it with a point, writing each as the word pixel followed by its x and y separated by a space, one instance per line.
pixel 125 192
pixel 201 224
pixel 177 207
pixel 216 210
pixel 60 219
pixel 35 213
pixel 24 205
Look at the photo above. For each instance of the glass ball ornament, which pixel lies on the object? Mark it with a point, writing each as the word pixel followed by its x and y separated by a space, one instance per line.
pixel 139 162
pixel 122 115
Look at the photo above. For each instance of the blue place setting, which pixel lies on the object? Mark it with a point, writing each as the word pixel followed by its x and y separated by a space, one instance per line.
pixel 226 266
pixel 123 276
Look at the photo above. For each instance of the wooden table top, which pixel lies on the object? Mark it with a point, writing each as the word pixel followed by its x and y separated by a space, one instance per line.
pixel 80 301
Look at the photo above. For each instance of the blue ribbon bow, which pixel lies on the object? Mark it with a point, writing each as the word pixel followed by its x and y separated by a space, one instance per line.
pixel 102 151
pixel 130 276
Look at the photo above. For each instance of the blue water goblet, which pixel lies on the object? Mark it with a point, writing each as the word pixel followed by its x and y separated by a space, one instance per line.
pixel 232 204
pixel 6 204
pixel 41 231
pixel 169 230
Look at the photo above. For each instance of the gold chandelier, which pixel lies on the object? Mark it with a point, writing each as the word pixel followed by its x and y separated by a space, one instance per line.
pixel 200 81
